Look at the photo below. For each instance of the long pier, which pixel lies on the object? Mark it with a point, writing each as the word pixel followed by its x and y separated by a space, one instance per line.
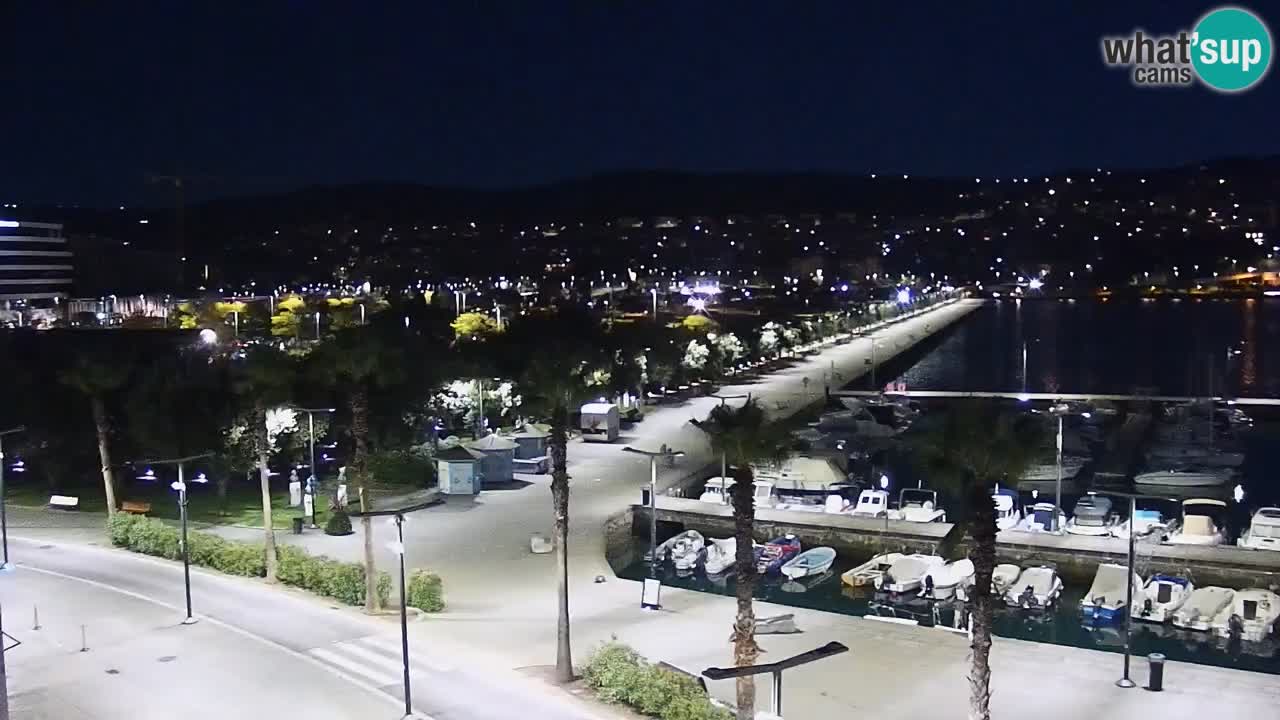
pixel 1053 397
pixel 1075 556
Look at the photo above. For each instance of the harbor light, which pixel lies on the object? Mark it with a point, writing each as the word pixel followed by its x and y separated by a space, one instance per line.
pixel 208 336
pixel 904 296
pixel 1238 493
pixel 884 482
pixel 1035 284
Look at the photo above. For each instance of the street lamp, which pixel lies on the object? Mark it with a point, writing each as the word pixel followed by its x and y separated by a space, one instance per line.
pixel 315 472
pixel 4 523
pixel 181 486
pixel 653 497
pixel 397 546
pixel 1124 681
pixel 1060 411
pixel 724 459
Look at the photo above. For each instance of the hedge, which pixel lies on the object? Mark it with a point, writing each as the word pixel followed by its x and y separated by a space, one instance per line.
pixel 619 675
pixel 425 591
pixel 322 575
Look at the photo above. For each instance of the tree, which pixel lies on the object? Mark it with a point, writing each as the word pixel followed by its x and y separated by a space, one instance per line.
pixel 972 448
pixel 265 377
pixel 357 360
pixel 743 435
pixel 98 373
pixel 551 383
pixel 475 326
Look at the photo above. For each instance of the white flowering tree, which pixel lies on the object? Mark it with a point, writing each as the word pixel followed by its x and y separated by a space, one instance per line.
pixel 731 348
pixel 696 356
pixel 460 400
pixel 769 340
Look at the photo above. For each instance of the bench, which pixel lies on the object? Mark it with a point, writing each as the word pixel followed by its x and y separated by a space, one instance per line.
pixel 64 502
pixel 135 507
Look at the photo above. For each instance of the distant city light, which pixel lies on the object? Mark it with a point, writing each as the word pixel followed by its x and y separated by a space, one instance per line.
pixel 208 336
pixel 698 304
pixel 904 296
pixel 1035 284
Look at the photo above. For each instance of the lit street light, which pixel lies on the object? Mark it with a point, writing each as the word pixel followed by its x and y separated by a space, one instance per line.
pixel 180 485
pixel 310 509
pixel 653 497
pixel 4 523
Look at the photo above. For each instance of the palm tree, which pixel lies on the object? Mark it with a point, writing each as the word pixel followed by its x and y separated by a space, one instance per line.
pixel 97 374
pixel 551 382
pixel 975 446
pixel 357 360
pixel 265 376
pixel 743 435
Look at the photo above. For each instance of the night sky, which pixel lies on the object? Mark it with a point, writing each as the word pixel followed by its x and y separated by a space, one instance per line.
pixel 275 95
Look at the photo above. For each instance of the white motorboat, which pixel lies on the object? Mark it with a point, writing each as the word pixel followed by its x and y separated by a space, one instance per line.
pixel 1251 615
pixel 1161 597
pixel 1184 477
pixel 721 555
pixel 1049 471
pixel 1201 607
pixel 1108 596
pixel 717 490
pixel 940 583
pixel 1174 453
pixel 813 561
pixel 1092 516
pixel 871 503
pixel 919 506
pixel 1003 576
pixel 1007 515
pixel 1146 522
pixel 801 475
pixel 683 549
pixel 1036 588
pixel 870 571
pixel 907 574
pixel 1039 518
pixel 1197 527
pixel 1264 530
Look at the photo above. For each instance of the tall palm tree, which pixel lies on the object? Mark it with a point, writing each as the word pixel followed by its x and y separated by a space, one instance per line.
pixel 357 360
pixel 97 374
pixel 743 435
pixel 972 448
pixel 265 377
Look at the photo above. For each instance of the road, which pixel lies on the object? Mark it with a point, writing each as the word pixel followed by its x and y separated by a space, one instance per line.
pixel 258 651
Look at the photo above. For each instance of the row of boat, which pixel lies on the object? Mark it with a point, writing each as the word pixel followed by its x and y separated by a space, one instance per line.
pixel 690 549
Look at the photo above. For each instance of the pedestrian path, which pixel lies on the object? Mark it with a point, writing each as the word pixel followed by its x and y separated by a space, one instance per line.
pixel 377 660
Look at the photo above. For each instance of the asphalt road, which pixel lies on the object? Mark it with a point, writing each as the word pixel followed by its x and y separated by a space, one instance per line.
pixel 340 649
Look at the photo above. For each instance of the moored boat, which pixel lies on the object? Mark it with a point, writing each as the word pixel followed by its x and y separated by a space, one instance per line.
pixel 920 506
pixel 1251 615
pixel 1092 516
pixel 721 555
pixel 682 550
pixel 771 556
pixel 941 583
pixel 1161 597
pixel 907 574
pixel 1198 527
pixel 1108 596
pixel 868 572
pixel 813 561
pixel 1036 588
pixel 1263 532
pixel 1184 477
pixel 1201 607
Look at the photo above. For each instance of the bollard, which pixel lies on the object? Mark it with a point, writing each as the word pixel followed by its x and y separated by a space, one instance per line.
pixel 84 643
pixel 35 618
pixel 1155 668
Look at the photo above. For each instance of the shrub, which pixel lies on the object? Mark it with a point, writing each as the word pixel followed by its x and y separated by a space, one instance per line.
pixel 337 524
pixel 618 674
pixel 412 467
pixel 425 591
pixel 119 525
pixel 342 581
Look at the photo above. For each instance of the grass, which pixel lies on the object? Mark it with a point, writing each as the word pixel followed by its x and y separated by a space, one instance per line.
pixel 243 505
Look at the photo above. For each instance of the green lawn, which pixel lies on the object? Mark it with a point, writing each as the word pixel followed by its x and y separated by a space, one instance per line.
pixel 243 503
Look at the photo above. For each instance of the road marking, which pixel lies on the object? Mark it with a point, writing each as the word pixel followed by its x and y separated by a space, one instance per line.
pixel 388 676
pixel 358 682
pixel 391 645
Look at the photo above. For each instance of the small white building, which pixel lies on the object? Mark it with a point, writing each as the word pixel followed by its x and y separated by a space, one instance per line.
pixel 458 471
pixel 531 441
pixel 600 422
pixel 497 456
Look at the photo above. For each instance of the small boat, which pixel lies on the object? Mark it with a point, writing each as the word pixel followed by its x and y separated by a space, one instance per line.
pixel 1040 519
pixel 1184 477
pixel 907 574
pixel 919 506
pixel 1092 516
pixel 871 503
pixel 940 583
pixel 771 556
pixel 1161 598
pixel 802 476
pixel 1178 453
pixel 682 550
pixel 1264 530
pixel 1007 515
pixel 1049 471
pixel 1146 522
pixel 1035 589
pixel 1107 598
pixel 813 561
pixel 870 571
pixel 1198 528
pixel 1201 607
pixel 1251 615
pixel 721 555
pixel 717 490
pixel 1003 578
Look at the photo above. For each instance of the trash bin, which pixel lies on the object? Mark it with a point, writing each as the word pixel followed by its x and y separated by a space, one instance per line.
pixel 1155 665
pixel 297 526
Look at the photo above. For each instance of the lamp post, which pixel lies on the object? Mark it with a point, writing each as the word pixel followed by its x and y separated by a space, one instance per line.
pixel 724 459
pixel 181 486
pixel 397 546
pixel 1125 681
pixel 4 523
pixel 653 456
pixel 654 292
pixel 315 472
